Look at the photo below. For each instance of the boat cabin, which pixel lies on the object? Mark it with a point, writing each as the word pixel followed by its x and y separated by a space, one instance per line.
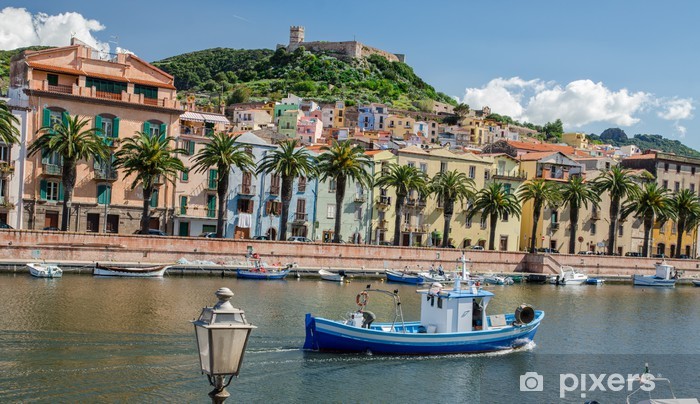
pixel 456 310
pixel 665 271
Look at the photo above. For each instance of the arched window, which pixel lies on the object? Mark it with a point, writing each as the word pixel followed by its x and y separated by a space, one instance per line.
pixel 155 127
pixel 108 125
pixel 53 115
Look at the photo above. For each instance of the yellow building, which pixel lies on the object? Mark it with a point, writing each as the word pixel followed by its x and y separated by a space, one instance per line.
pixel 577 140
pixel 400 126
pixel 119 94
pixel 383 214
pixel 506 170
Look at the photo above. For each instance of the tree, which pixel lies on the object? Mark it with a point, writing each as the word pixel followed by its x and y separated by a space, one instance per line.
pixel 340 162
pixel 239 94
pixel 461 110
pixel 541 192
pixel 9 134
pixel 495 202
pixel 449 187
pixel 620 184
pixel 686 211
pixel 651 203
pixel 288 161
pixel 72 142
pixel 576 193
pixel 404 179
pixel 149 159
pixel 553 129
pixel 224 153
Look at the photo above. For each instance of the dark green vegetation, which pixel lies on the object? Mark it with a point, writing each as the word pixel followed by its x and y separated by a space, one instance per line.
pixel 618 137
pixel 5 56
pixel 263 74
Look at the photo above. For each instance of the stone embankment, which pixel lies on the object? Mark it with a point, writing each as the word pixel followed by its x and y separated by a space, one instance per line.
pixel 81 250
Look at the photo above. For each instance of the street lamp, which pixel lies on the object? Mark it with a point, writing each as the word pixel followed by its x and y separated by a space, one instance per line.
pixel 222 335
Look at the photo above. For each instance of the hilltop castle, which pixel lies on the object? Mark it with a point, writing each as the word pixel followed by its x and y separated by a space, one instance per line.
pixel 341 50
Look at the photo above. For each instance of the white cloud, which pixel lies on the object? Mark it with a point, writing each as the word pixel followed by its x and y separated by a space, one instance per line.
pixel 677 108
pixel 19 28
pixel 680 129
pixel 578 103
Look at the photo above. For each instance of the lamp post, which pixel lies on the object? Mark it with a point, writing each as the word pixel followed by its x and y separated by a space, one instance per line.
pixel 222 335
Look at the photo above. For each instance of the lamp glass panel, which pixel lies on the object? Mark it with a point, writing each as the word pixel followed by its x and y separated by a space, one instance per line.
pixel 228 318
pixel 227 349
pixel 203 346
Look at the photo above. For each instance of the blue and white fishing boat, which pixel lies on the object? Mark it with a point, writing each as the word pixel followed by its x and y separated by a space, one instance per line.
pixel 666 276
pixel 262 273
pixel 452 321
pixel 595 281
pixel 403 277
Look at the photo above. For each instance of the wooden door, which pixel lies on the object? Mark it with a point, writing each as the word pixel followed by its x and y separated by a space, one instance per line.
pixel 51 219
pixel 154 223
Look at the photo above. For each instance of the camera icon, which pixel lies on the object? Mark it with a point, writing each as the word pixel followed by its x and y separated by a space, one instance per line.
pixel 531 381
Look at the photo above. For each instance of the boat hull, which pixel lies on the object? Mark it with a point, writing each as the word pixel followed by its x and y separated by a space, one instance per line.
pixel 333 336
pixel 400 277
pixel 268 275
pixel 594 281
pixel 646 280
pixel 696 283
pixel 330 276
pixel 153 272
pixel 45 271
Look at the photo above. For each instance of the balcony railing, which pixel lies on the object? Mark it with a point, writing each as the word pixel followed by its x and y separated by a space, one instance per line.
pixel 150 101
pixel 509 175
pixel 555 226
pixel 411 201
pixel 383 224
pixel 7 168
pixel 275 190
pixel 384 201
pixel 360 198
pixel 53 169
pixel 211 213
pixel 246 189
pixel 422 202
pixel 108 95
pixel 61 88
pixel 106 175
pixel 300 217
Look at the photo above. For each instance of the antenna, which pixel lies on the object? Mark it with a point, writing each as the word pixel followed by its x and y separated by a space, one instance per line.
pixel 115 40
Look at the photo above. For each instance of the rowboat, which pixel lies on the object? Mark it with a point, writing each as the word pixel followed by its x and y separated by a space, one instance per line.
pixel 330 276
pixel 403 277
pixel 130 272
pixel 262 273
pixel 42 270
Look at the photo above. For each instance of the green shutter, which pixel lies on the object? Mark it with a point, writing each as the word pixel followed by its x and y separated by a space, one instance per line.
pixel 109 194
pixel 97 164
pixel 163 130
pixel 154 199
pixel 183 205
pixel 191 147
pixel 98 125
pixel 65 117
pixel 115 128
pixel 60 191
pixel 42 185
pixel 186 175
pixel 213 176
pixel 46 120
pixel 147 128
pixel 101 194
pixel 45 156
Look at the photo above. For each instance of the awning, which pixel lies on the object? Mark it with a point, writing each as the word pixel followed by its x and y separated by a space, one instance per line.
pixel 203 117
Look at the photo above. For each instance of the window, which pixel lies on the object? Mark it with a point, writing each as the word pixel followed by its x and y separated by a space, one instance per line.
pixel 330 212
pixel 189 147
pixel 273 208
pixel 678 169
pixel 93 223
pixel 183 205
pixel 424 167
pixel 274 184
pixel 443 166
pixel 483 221
pixel 664 184
pixel 244 205
pixel 662 228
pixel 505 217
pixel 52 79
pixel 593 229
pixel 407 218
pixel 665 166
pixel 154 199
pixel 302 184
pixel 104 194
pixel 105 86
pixel 155 128
pixel 673 227
pixel 213 179
pixel 692 187
pixel 147 91
pixel 51 191
pixel 620 230
pixel 411 163
pixel 506 188
pixel 469 222
pixel 358 212
pixel 487 174
pixel 692 170
pixel 503 245
pixel 4 153
pixel 211 205
pixel 185 176
pixel 676 186
pixel 555 216
pixel 472 172
pixel 331 185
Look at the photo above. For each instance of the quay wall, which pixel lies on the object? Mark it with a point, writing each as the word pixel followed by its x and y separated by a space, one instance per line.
pixel 32 245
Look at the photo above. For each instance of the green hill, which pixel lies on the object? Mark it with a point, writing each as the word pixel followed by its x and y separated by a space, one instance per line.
pixel 266 74
pixel 618 137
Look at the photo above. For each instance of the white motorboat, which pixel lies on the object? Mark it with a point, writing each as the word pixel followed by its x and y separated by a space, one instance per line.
pixel 130 272
pixel 647 382
pixel 43 270
pixel 569 276
pixel 435 276
pixel 666 276
pixel 491 279
pixel 331 276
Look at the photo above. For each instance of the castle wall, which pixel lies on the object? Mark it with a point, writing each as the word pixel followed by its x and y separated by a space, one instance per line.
pixel 343 50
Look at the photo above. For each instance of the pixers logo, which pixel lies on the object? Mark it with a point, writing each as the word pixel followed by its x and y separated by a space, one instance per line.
pixel 586 383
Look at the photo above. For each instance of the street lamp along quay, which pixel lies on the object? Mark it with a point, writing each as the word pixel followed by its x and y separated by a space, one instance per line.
pixel 222 336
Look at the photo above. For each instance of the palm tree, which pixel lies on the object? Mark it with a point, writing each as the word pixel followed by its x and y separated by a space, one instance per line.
pixel 340 162
pixel 404 179
pixel 72 141
pixel 576 193
pixel 289 162
pixel 450 186
pixel 495 202
pixel 9 134
pixel 686 211
pixel 541 192
pixel 223 153
pixel 620 184
pixel 149 158
pixel 651 203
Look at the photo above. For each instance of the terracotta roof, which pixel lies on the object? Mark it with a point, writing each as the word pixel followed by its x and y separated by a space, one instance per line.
pixel 540 147
pixel 536 156
pixel 66 70
pixel 649 156
pixel 373 152
pixel 56 69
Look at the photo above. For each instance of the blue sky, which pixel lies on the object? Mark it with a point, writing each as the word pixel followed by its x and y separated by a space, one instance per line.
pixel 594 64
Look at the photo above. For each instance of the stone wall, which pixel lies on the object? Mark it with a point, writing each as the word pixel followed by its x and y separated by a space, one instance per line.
pixel 343 50
pixel 31 245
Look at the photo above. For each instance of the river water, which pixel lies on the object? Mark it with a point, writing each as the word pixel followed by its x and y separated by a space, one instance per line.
pixel 85 339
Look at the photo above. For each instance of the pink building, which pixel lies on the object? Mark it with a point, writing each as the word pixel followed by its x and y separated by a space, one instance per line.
pixel 309 130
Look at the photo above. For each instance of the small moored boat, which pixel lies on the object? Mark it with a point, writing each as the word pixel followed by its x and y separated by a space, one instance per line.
pixel 696 282
pixel 331 276
pixel 130 272
pixel 569 276
pixel 43 270
pixel 594 281
pixel 403 277
pixel 666 276
pixel 492 279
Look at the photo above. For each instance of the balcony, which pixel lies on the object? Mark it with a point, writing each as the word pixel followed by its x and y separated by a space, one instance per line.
pixel 108 95
pixel 383 224
pixel 595 215
pixel 555 226
pixel 245 189
pixel 275 190
pixel 159 180
pixel 411 202
pixel 106 175
pixel 422 202
pixel 53 170
pixel 300 217
pixel 6 204
pixel 61 88
pixel 406 228
pixel 7 168
pixel 360 198
pixel 384 201
pixel 505 175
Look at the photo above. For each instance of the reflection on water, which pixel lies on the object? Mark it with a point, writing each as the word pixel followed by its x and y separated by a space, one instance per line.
pixel 81 338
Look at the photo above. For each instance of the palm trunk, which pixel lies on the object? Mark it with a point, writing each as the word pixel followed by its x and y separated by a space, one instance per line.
pixel 574 228
pixel 648 225
pixel 69 176
pixel 447 214
pixel 287 184
pixel 339 196
pixel 614 211
pixel 535 221
pixel 221 191
pixel 493 221
pixel 145 212
pixel 398 207
pixel 679 235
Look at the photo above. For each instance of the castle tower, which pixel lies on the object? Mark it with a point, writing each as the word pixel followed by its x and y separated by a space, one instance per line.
pixel 296 34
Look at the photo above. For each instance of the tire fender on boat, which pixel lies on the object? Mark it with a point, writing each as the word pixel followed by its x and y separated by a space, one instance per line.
pixel 362 299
